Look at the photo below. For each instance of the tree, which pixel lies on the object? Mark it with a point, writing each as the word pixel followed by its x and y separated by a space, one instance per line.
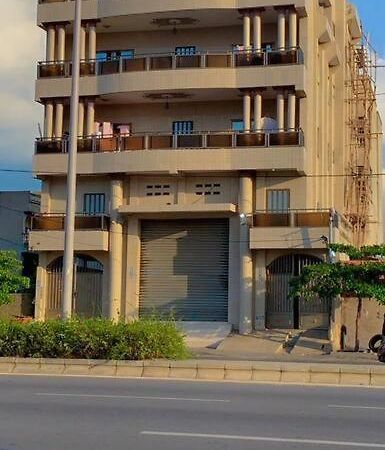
pixel 362 277
pixel 11 278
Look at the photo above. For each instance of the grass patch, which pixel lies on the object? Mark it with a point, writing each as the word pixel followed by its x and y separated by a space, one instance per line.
pixel 92 339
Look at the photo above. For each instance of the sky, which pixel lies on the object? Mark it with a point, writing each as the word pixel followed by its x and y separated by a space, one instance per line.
pixel 22 45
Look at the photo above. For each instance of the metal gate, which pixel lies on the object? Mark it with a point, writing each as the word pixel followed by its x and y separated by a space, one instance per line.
pixel 283 312
pixel 88 283
pixel 184 269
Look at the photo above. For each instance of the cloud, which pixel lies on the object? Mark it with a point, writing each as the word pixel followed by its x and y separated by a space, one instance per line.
pixel 21 45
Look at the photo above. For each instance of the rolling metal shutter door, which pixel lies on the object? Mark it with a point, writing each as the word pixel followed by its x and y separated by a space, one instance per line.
pixel 184 269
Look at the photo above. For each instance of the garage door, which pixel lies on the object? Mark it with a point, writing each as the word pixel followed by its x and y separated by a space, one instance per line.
pixel 184 269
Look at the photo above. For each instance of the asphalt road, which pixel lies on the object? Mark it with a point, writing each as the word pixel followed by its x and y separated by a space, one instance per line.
pixel 62 413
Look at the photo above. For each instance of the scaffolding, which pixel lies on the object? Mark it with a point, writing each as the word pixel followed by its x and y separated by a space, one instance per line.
pixel 362 62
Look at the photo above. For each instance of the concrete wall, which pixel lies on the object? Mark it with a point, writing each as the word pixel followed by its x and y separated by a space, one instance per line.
pixel 370 322
pixel 21 306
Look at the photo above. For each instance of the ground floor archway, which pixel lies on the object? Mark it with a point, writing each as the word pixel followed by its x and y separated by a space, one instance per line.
pixel 284 312
pixel 88 287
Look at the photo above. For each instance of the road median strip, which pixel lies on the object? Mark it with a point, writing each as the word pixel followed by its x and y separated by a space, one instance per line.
pixel 209 370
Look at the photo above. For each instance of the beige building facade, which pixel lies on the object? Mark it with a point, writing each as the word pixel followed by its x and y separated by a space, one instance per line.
pixel 220 146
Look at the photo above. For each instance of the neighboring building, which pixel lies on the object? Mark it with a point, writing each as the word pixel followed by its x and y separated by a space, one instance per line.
pixel 15 207
pixel 215 137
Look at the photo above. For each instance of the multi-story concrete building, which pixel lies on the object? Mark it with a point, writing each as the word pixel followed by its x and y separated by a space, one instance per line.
pixel 15 208
pixel 222 144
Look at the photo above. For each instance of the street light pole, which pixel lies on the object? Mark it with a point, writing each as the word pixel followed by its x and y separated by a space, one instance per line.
pixel 68 264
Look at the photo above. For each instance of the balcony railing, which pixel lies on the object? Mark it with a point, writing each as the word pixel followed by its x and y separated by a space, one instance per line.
pixel 172 61
pixel 299 219
pixel 161 141
pixel 56 222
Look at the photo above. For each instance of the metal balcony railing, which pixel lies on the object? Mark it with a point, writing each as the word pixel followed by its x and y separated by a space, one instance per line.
pixel 169 141
pixel 56 222
pixel 299 219
pixel 172 61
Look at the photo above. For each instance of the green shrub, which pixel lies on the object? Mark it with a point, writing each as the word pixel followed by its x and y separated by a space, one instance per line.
pixel 92 339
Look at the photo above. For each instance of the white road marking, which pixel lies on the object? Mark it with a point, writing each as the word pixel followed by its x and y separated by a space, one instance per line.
pixel 134 397
pixel 263 439
pixel 379 408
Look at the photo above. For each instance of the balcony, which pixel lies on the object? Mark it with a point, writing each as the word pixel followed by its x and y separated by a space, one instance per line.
pixel 46 232
pixel 171 61
pixel 301 229
pixel 56 222
pixel 169 141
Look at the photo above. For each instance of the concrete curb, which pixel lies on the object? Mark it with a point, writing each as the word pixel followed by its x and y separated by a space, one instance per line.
pixel 242 371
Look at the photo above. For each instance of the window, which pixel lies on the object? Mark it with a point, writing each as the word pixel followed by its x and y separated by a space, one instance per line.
pixel 183 127
pixel 94 204
pixel 278 200
pixel 111 55
pixel 185 51
pixel 237 125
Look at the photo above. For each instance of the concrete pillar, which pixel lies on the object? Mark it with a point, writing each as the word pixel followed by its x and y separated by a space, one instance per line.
pixel 132 269
pixel 45 197
pixel 260 289
pixel 41 287
pixel 293 24
pixel 246 31
pixel 48 119
pixel 257 31
pixel 81 118
pixel 61 42
pixel 50 48
pixel 90 128
pixel 247 111
pixel 246 263
pixel 116 250
pixel 82 43
pixel 281 111
pixel 291 111
pixel 257 111
pixel 59 114
pixel 281 38
pixel 92 41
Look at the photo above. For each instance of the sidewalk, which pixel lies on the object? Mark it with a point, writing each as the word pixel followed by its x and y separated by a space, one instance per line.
pixel 281 346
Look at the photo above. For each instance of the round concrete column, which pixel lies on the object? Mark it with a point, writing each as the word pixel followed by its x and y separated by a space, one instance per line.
pixel 116 251
pixel 281 111
pixel 293 20
pixel 281 38
pixel 291 111
pixel 48 119
pixel 59 113
pixel 247 111
pixel 92 41
pixel 257 111
pixel 246 262
pixel 81 118
pixel 82 43
pixel 61 42
pixel 90 118
pixel 246 31
pixel 257 31
pixel 50 49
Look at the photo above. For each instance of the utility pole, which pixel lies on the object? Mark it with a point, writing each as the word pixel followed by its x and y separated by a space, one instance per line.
pixel 68 275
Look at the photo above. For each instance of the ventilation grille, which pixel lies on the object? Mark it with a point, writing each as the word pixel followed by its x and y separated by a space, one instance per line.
pixel 204 189
pixel 158 190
